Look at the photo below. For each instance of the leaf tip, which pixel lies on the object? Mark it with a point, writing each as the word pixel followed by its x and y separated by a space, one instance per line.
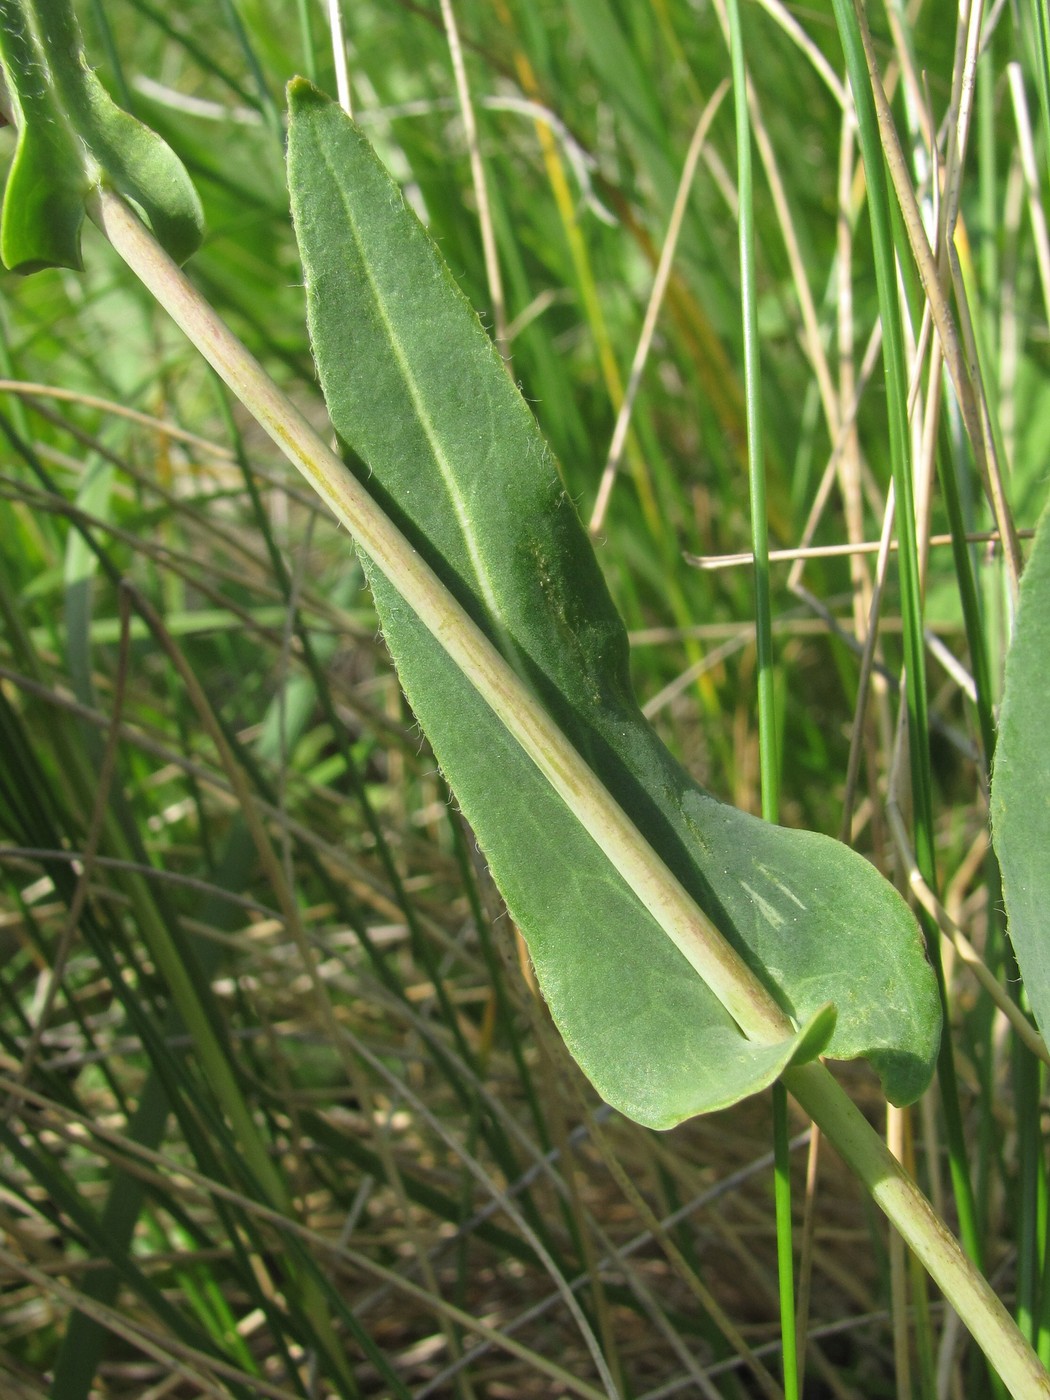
pixel 814 1036
pixel 301 93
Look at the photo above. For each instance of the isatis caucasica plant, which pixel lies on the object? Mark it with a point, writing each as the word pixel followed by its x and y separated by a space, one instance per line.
pixel 689 954
pixel 448 446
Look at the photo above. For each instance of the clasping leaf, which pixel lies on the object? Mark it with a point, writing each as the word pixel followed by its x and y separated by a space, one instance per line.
pixel 454 456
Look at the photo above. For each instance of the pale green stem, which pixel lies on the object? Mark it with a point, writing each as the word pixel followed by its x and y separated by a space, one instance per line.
pixel 743 996
pixel 736 987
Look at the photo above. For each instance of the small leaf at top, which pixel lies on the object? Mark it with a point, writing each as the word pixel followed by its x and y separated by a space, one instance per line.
pixel 1021 781
pixel 71 138
pixel 451 451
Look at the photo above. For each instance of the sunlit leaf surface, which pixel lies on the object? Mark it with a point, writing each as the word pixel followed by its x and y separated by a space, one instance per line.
pixel 415 387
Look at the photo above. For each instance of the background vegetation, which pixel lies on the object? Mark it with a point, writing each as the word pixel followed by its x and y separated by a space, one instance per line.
pixel 235 795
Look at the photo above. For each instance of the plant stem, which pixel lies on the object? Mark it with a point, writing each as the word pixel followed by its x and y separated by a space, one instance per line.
pixel 743 996
pixel 740 992
pixel 897 1195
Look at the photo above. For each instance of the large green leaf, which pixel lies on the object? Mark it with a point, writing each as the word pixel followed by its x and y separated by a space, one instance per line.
pixel 1021 781
pixel 71 137
pixel 451 451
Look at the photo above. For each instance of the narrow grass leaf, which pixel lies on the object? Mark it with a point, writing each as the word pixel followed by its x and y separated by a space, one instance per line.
pixel 452 453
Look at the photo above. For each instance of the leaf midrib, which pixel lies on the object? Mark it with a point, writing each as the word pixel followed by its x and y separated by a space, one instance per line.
pixel 482 575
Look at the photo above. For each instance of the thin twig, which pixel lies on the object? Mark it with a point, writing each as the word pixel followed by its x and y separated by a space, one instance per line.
pixel 477 173
pixel 710 562
pixel 342 74
pixel 801 39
